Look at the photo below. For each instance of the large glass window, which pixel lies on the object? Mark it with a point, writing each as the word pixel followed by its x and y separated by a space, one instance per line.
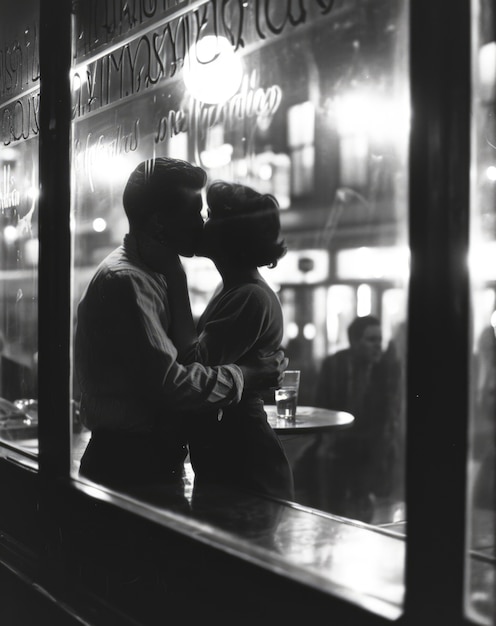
pixel 482 435
pixel 19 127
pixel 309 102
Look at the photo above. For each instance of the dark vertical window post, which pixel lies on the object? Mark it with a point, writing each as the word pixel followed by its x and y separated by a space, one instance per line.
pixel 438 310
pixel 54 267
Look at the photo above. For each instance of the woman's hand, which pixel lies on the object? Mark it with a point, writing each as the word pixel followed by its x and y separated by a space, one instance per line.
pixel 264 372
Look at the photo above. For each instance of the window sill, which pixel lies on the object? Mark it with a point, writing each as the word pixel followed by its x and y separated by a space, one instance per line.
pixel 351 560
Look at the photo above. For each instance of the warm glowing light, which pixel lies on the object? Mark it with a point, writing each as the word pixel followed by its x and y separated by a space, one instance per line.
pixel 99 225
pixel 309 331
pixel 8 154
pixel 292 330
pixel 217 157
pixel 487 70
pixel 78 76
pixel 31 252
pixel 378 262
pixel 10 234
pixel 104 167
pixel 371 114
pixel 265 171
pixel 212 71
pixel 482 261
pixel 33 193
pixel 364 300
pixel 301 124
pixel 491 173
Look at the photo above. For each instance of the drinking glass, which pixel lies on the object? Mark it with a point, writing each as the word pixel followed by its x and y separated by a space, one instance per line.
pixel 287 395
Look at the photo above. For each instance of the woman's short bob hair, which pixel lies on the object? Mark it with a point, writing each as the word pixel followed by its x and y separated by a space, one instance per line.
pixel 244 226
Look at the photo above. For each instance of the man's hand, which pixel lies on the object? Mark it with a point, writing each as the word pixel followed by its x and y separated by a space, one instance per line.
pixel 265 372
pixel 159 257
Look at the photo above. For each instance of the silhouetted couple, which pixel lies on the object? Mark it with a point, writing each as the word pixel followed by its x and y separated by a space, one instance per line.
pixel 153 386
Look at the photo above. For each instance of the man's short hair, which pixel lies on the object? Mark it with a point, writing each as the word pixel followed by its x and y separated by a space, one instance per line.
pixel 358 326
pixel 154 184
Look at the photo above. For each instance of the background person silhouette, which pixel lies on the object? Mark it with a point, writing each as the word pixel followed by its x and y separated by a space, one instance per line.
pixel 365 381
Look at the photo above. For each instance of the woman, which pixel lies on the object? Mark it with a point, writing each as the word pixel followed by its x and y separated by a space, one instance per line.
pixel 243 320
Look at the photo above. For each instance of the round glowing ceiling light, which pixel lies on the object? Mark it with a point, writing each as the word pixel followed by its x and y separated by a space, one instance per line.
pixel 99 225
pixel 491 173
pixel 10 234
pixel 212 71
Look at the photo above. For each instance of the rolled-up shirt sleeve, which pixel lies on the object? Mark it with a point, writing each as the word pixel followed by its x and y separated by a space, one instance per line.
pixel 123 349
pixel 183 386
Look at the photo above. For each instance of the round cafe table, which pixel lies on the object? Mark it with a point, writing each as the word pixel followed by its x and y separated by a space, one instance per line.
pixel 305 441
pixel 308 419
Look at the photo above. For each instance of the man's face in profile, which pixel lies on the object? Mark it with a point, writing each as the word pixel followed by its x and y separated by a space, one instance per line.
pixel 184 221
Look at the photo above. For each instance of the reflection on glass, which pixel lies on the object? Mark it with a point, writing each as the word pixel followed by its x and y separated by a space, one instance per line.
pixel 19 106
pixel 212 71
pixel 481 529
pixel 314 112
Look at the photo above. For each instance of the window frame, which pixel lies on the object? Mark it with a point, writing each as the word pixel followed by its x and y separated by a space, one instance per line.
pixel 437 376
pixel 437 379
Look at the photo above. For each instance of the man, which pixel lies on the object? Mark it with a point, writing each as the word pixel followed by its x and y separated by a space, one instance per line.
pixel 133 389
pixel 345 376
pixel 364 381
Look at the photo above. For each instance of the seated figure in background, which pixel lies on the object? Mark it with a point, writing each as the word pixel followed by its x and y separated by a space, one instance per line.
pixel 365 381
